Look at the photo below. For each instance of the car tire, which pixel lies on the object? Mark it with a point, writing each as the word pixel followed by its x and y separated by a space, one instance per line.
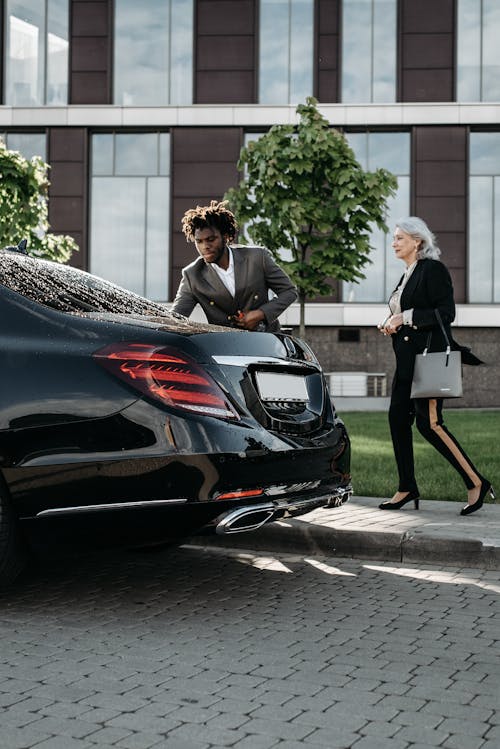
pixel 12 550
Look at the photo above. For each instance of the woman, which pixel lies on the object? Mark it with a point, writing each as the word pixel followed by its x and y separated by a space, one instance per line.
pixel 425 286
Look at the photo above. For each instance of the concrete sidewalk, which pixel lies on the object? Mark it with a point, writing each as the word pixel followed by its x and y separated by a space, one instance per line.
pixel 434 534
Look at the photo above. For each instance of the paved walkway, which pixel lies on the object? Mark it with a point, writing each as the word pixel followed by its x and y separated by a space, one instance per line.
pixel 434 534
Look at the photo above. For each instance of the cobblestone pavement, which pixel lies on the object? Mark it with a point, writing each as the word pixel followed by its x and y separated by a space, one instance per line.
pixel 192 648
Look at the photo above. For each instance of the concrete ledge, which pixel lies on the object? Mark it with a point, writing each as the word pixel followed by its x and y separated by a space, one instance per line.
pixel 437 535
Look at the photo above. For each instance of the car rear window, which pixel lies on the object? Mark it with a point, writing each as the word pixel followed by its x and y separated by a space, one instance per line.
pixel 69 289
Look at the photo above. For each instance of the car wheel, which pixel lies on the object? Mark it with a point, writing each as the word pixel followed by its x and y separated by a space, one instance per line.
pixel 12 551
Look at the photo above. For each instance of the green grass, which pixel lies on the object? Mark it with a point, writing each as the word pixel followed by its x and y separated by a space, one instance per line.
pixel 373 466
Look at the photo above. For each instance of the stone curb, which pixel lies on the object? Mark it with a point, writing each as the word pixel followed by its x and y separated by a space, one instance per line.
pixel 413 546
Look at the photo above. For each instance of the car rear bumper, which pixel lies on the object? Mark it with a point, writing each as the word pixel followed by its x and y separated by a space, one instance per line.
pixel 252 517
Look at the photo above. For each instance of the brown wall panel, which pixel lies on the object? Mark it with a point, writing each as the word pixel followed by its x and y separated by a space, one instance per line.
pixel 443 213
pixel 202 177
pixel 89 88
pixel 435 143
pixel 225 52
pixel 327 46
pixel 428 85
pixel 89 53
pixel 191 144
pixel 67 155
pixel 426 16
pixel 224 87
pixel 203 168
pixel 440 193
pixel 238 15
pixel 66 178
pixel 440 178
pixel 436 55
pixel 233 53
pixel 90 58
pixel 426 50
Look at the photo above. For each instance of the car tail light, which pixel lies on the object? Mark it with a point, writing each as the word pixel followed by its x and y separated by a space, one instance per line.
pixel 166 375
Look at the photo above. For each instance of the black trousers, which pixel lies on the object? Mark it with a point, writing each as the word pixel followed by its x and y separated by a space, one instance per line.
pixel 427 413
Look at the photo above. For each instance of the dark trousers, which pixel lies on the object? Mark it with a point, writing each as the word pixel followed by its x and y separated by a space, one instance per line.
pixel 427 412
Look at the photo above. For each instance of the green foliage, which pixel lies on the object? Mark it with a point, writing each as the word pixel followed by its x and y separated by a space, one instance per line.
pixel 305 192
pixel 24 209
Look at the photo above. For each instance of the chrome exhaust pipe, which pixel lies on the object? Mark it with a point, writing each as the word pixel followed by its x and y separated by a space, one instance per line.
pixel 242 519
pixel 340 497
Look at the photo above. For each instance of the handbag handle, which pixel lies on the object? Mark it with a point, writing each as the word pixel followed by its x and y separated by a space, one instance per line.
pixel 448 347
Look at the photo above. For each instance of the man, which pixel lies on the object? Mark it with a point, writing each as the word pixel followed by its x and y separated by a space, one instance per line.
pixel 230 283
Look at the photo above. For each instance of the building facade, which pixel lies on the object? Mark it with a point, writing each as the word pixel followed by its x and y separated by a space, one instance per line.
pixel 141 109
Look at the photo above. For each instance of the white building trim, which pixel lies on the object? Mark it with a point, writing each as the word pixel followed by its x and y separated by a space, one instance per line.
pixel 369 315
pixel 249 115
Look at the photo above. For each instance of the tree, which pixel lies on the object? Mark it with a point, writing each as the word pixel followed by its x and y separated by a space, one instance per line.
pixel 304 193
pixel 24 208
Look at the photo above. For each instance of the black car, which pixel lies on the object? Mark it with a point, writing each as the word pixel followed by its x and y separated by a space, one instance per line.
pixel 123 423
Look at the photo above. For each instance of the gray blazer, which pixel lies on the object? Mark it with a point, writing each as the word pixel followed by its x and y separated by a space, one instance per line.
pixel 255 272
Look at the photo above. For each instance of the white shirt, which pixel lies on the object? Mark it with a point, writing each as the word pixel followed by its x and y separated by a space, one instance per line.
pixel 395 300
pixel 226 276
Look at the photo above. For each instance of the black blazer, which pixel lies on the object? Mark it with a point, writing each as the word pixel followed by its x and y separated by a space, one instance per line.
pixel 428 288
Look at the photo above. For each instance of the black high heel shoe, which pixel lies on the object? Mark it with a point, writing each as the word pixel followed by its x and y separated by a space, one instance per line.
pixel 414 495
pixel 485 488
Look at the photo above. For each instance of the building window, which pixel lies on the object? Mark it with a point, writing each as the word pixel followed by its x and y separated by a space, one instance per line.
pixel 130 221
pixel 484 218
pixel 36 63
pixel 153 53
pixel 369 35
pixel 28 144
pixel 478 52
pixel 286 51
pixel 390 151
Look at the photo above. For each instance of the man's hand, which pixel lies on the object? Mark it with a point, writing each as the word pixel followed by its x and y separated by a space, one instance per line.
pixel 249 320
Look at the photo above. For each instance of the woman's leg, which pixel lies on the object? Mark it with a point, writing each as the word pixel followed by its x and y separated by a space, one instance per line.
pixel 401 417
pixel 430 425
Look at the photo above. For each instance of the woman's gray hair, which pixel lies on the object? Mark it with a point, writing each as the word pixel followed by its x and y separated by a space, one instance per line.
pixel 418 229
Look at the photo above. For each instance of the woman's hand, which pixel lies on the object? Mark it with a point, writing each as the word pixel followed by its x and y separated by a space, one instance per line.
pixel 392 324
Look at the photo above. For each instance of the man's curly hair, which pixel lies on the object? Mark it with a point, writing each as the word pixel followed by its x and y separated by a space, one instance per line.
pixel 215 216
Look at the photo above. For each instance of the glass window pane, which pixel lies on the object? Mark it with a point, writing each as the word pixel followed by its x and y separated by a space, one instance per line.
pixel 36 64
pixel 153 53
pixel 301 50
pixel 480 239
pixel 273 54
pixel 57 52
pixel 130 216
pixel 118 219
pixel 285 58
pixel 181 52
pixel 389 151
pixel 25 29
pixel 485 153
pixel 28 144
pixel 158 222
pixel 496 240
pixel 164 167
pixel 491 51
pixel 478 51
pixel 102 154
pixel 369 31
pixel 136 153
pixel 356 50
pixel 469 50
pixel 384 50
